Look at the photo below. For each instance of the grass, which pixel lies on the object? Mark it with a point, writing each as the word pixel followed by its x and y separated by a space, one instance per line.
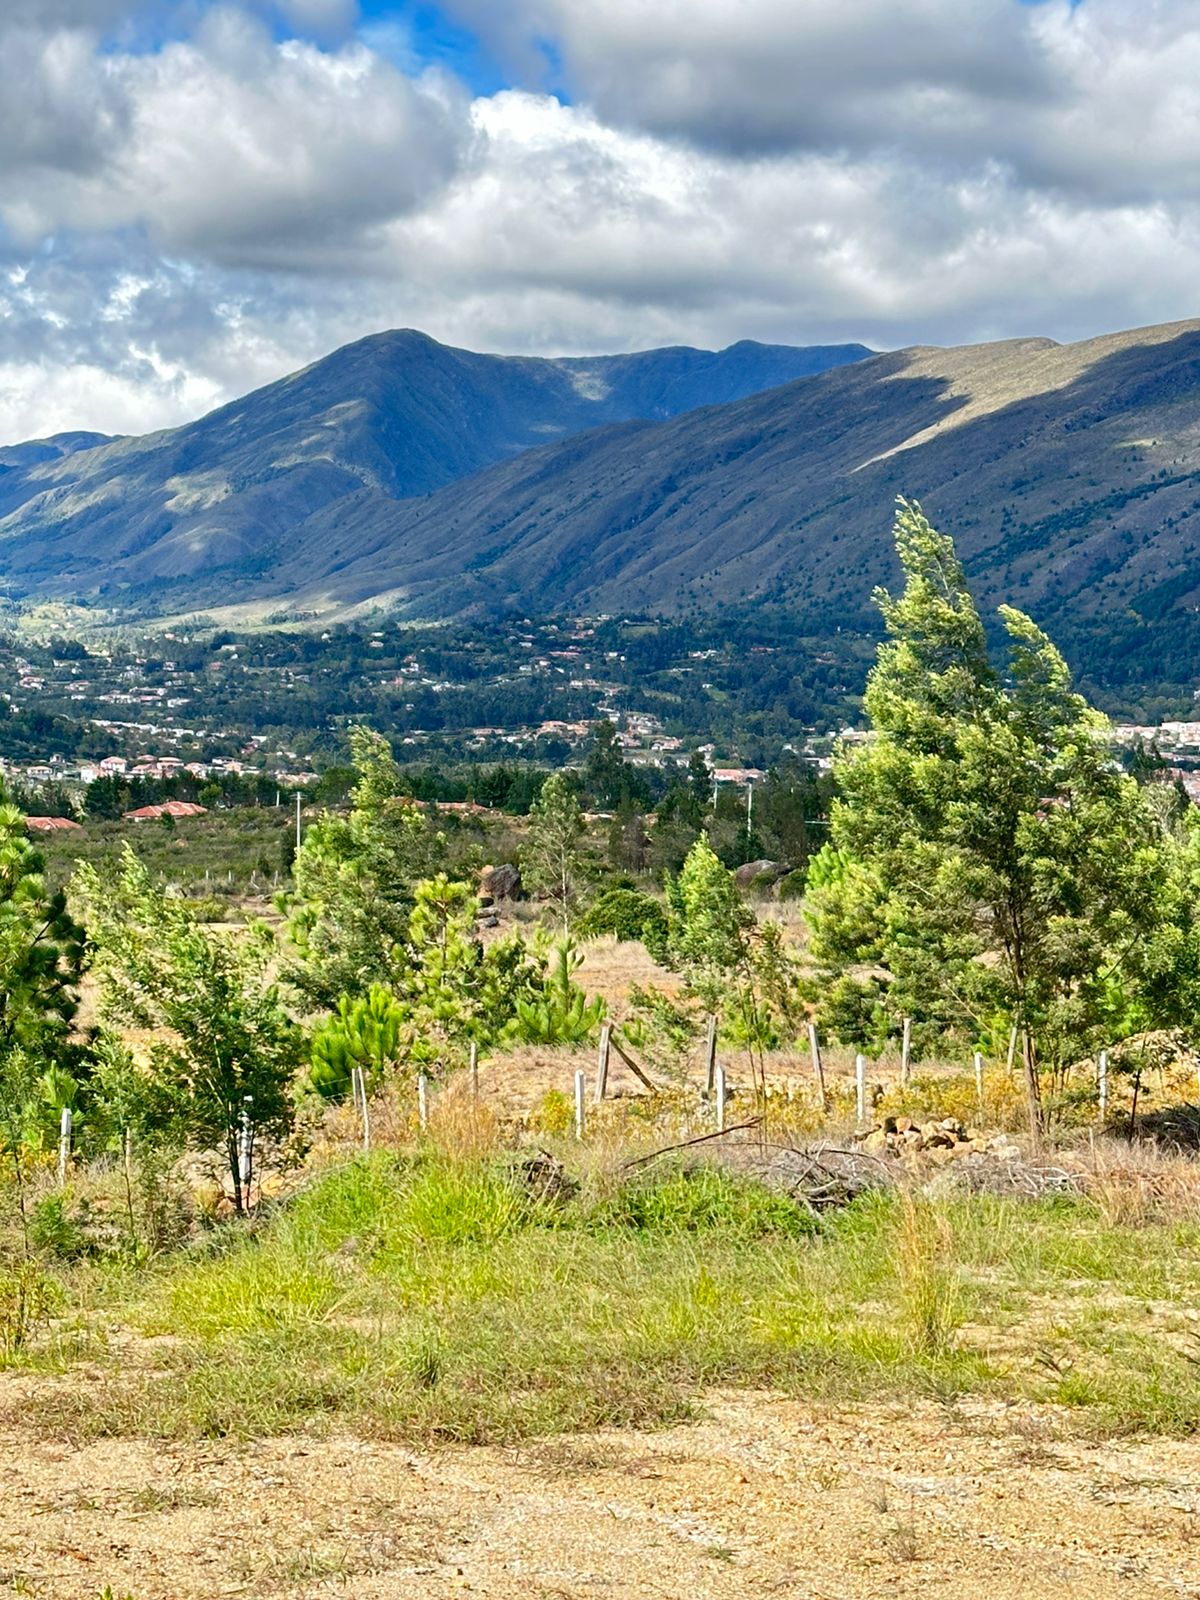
pixel 430 1296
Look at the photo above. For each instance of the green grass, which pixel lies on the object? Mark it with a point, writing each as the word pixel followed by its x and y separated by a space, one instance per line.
pixel 428 1298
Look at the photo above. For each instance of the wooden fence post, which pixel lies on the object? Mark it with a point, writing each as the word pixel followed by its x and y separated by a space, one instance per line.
pixel 860 1089
pixel 422 1101
pixel 602 1061
pixel 710 1055
pixel 906 1053
pixel 580 1097
pixel 719 1088
pixel 814 1045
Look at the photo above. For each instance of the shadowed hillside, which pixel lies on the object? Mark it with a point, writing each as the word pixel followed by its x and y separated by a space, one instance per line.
pixel 395 415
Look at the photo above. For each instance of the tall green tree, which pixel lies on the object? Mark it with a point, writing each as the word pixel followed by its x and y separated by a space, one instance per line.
pixel 552 862
pixel 42 957
pixel 353 875
pixel 714 938
pixel 995 863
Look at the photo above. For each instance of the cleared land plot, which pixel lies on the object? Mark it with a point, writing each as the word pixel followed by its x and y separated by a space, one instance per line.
pixel 765 1496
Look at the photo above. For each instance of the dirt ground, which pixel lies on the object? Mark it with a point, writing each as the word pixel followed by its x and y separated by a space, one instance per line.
pixel 763 1496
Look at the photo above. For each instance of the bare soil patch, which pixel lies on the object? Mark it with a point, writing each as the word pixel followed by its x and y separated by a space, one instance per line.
pixel 765 1496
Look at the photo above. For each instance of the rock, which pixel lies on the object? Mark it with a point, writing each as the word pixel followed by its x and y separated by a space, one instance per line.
pixel 545 1176
pixel 758 874
pixel 500 883
pixel 876 1141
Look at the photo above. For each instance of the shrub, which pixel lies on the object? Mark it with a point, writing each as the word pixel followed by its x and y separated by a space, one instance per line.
pixel 27 1301
pixel 52 1228
pixel 626 914
pixel 792 884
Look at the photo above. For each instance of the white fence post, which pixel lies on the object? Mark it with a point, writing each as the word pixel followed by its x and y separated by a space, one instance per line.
pixel 719 1084
pixel 860 1088
pixel 422 1101
pixel 64 1144
pixel 362 1107
pixel 580 1097
pixel 1102 1083
pixel 245 1149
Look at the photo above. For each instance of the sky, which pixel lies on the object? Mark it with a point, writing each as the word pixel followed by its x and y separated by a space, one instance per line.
pixel 197 197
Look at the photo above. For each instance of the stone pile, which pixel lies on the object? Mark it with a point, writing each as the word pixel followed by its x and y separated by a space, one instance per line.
pixel 942 1141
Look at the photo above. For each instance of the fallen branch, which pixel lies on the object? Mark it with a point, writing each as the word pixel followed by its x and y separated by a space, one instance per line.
pixel 667 1149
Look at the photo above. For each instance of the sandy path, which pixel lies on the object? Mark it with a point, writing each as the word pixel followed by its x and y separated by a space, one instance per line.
pixel 764 1497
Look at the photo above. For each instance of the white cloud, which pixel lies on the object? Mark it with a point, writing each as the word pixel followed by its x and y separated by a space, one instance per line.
pixel 243 150
pixel 1100 97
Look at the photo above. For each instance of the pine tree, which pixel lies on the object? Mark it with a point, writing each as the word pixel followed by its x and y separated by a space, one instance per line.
pixel 552 859
pixel 994 860
pixel 348 913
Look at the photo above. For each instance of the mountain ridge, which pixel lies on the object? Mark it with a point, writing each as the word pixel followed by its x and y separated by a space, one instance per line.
pixel 395 415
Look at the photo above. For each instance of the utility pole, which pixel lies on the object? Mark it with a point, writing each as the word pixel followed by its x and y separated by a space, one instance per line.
pixel 297 819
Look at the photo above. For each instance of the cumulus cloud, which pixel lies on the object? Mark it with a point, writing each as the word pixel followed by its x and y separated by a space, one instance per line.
pixel 234 146
pixel 1098 96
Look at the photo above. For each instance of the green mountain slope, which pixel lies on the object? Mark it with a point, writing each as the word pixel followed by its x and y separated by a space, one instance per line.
pixel 1069 474
pixel 392 416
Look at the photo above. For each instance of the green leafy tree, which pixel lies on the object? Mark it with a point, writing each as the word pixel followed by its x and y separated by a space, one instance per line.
pixel 712 935
pixel 996 863
pixel 708 923
pixel 41 961
pixel 606 775
pixel 353 876
pixel 628 846
pixel 552 862
pixel 224 1046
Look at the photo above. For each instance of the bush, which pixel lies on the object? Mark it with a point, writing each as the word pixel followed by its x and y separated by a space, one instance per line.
pixel 792 884
pixel 52 1228
pixel 697 1199
pixel 626 914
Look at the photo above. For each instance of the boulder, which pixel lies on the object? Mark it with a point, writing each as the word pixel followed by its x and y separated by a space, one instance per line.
pixel 500 883
pixel 758 874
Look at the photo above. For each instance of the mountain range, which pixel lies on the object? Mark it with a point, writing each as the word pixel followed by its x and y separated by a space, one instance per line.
pixel 401 473
pixel 249 499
